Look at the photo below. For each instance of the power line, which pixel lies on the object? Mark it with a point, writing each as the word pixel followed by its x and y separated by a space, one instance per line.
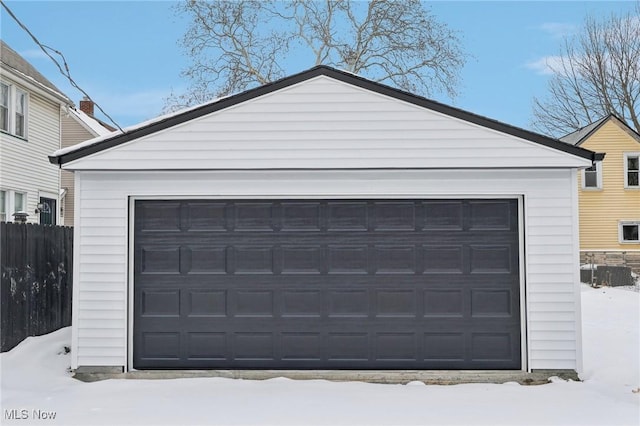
pixel 64 71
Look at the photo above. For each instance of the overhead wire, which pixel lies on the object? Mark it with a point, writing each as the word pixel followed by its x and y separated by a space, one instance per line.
pixel 64 69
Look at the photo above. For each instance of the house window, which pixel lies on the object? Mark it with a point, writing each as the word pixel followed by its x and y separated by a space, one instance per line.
pixel 632 170
pixel 592 176
pixel 19 202
pixel 13 110
pixel 4 107
pixel 629 231
pixel 11 202
pixel 21 111
pixel 3 206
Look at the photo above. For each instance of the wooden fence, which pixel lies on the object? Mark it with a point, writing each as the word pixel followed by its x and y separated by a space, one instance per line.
pixel 36 280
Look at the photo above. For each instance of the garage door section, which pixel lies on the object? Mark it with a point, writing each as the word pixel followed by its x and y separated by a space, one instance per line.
pixel 326 284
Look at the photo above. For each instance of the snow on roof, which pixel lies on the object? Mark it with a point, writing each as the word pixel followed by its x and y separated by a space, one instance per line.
pixel 130 129
pixel 90 122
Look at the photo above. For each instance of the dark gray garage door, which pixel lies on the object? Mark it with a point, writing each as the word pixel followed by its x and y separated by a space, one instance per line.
pixel 327 284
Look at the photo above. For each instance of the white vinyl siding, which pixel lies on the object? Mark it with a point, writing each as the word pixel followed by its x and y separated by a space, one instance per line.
pixel 24 164
pixel 325 123
pixel 550 234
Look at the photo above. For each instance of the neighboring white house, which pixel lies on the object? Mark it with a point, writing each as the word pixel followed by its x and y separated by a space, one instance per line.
pixel 325 222
pixel 30 128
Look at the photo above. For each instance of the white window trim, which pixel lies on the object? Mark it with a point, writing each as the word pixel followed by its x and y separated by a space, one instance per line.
pixel 13 91
pixel 598 165
pixel 626 170
pixel 621 223
pixel 10 203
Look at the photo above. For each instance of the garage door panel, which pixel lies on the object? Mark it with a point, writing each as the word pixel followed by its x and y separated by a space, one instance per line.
pixel 396 346
pixel 443 215
pixel 205 217
pixel 161 345
pixel 206 303
pixel 394 259
pixel 252 216
pixel 347 346
pixel 252 303
pixel 301 259
pixel 302 303
pixel 493 259
pixel 211 346
pixel 396 303
pixel 441 259
pixel 300 216
pixel 348 303
pixel 253 345
pixel 444 302
pixel 159 216
pixel 491 347
pixel 206 259
pixel 353 259
pixel 395 216
pixel 444 347
pixel 492 302
pixel 301 346
pixel 160 302
pixel 492 215
pixel 160 260
pixel 326 284
pixel 347 216
pixel 252 260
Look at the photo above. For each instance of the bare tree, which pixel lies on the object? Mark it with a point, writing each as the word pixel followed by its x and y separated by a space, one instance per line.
pixel 597 73
pixel 234 45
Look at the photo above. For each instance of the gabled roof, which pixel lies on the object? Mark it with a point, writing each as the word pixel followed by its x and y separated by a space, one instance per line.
pixel 117 138
pixel 12 60
pixel 93 125
pixel 579 136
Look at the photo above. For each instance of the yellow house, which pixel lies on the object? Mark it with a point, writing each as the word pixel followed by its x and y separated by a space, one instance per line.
pixel 609 194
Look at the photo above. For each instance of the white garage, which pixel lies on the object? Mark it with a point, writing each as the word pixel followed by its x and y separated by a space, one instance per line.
pixel 325 222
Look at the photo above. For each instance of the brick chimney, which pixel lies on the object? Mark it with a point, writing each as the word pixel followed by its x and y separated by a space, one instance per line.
pixel 86 106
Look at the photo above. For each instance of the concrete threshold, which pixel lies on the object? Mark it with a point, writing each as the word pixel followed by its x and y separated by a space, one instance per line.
pixel 429 377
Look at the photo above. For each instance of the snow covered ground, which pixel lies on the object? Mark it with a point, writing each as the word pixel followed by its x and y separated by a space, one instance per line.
pixel 36 384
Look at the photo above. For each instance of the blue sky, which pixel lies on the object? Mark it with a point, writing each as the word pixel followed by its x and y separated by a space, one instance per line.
pixel 125 54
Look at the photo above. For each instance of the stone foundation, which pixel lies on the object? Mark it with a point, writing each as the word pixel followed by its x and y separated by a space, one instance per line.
pixel 630 259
